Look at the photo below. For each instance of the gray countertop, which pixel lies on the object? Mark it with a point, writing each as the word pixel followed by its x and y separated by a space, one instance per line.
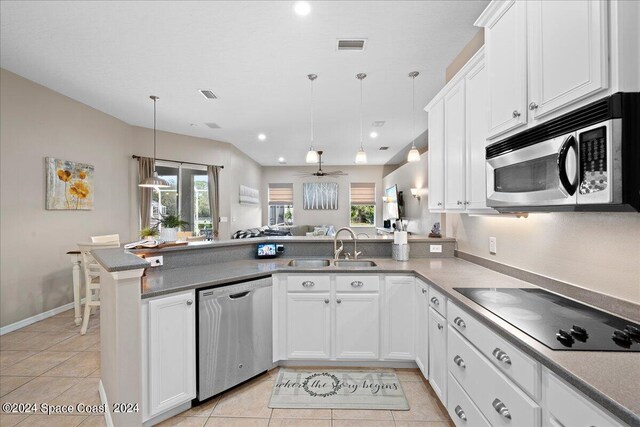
pixel 609 378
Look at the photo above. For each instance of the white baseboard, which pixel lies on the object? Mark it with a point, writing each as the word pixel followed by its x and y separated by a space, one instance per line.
pixel 38 317
pixel 103 398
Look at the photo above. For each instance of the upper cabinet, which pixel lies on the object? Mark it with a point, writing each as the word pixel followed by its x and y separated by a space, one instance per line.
pixel 506 58
pixel 542 57
pixel 436 155
pixel 567 53
pixel 454 136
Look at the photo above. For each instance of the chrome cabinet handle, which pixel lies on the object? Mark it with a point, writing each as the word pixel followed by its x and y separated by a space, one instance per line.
pixel 515 114
pixel 460 413
pixel 466 202
pixel 189 301
pixel 435 301
pixel 501 356
pixel 459 361
pixel 439 203
pixel 458 321
pixel 424 291
pixel 357 284
pixel 459 202
pixel 338 300
pixel 501 408
pixel 308 283
pixel 326 300
pixel 533 106
pixel 440 326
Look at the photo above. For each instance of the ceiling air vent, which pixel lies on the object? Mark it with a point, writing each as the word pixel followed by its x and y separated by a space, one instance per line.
pixel 213 125
pixel 383 148
pixel 208 94
pixel 378 123
pixel 352 44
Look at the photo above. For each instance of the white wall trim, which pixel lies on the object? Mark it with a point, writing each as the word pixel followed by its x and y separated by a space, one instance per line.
pixel 38 317
pixel 103 398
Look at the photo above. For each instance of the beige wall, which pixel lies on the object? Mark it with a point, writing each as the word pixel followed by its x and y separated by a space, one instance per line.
pixel 337 218
pixel 406 177
pixel 465 54
pixel 37 122
pixel 597 251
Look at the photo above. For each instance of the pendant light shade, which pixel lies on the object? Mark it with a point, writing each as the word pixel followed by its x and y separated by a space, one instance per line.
pixel 414 154
pixel 154 181
pixel 312 154
pixel 361 155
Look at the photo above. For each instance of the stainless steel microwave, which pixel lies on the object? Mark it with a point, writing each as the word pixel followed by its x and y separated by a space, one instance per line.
pixel 585 160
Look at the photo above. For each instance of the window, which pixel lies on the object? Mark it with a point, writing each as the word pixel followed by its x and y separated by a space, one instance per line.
pixel 188 196
pixel 363 204
pixel 280 204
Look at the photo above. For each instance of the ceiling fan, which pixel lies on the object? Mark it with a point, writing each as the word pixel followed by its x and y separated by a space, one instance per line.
pixel 320 173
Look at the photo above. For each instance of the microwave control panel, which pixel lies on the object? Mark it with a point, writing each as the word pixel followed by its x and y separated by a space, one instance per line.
pixel 594 175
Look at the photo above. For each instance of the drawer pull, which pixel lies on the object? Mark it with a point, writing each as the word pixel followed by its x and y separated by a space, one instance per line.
pixel 435 301
pixel 424 291
pixel 189 301
pixel 339 301
pixel 458 321
pixel 501 408
pixel 440 326
pixel 308 283
pixel 501 356
pixel 357 284
pixel 460 413
pixel 458 361
pixel 326 300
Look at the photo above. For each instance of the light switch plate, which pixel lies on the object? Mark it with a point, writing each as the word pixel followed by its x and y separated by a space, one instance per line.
pixel 435 249
pixel 493 245
pixel 224 219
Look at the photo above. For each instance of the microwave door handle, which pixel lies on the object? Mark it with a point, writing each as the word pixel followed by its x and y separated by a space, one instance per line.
pixel 565 180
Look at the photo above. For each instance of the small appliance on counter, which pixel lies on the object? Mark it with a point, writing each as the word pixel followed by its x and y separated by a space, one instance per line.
pixel 269 250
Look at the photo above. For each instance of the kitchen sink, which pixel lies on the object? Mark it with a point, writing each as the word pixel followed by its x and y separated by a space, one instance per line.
pixel 354 263
pixel 309 263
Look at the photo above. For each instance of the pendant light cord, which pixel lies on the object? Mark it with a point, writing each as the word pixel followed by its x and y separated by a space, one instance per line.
pixel 154 134
pixel 413 110
pixel 361 113
pixel 312 113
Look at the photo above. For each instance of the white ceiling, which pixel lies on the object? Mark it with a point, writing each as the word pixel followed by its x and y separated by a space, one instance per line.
pixel 254 56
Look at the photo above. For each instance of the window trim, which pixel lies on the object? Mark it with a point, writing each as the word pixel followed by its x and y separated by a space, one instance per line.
pixel 375 206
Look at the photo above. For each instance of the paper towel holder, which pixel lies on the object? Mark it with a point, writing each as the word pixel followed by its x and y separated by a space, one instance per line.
pixel 414 193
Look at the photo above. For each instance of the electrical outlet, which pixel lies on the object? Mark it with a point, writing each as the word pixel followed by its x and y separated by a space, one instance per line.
pixel 493 245
pixel 224 219
pixel 435 249
pixel 155 261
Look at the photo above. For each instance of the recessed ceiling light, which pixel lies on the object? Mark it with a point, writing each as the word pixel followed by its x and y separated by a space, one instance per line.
pixel 281 160
pixel 262 137
pixel 373 134
pixel 302 8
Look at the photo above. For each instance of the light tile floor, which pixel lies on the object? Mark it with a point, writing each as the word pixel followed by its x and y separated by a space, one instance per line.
pixel 50 362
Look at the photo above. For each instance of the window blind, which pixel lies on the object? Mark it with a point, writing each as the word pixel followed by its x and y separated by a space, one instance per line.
pixel 280 194
pixel 363 193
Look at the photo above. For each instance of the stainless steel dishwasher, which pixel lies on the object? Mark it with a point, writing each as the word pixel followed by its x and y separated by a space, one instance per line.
pixel 234 335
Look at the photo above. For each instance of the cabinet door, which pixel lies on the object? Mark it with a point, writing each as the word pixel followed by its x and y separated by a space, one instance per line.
pixel 399 318
pixel 567 52
pixel 357 326
pixel 308 326
pixel 438 354
pixel 477 126
pixel 422 331
pixel 454 135
pixel 505 40
pixel 436 157
pixel 172 351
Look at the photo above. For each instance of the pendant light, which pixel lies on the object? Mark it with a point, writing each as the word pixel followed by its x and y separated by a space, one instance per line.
pixel 154 181
pixel 414 154
pixel 361 156
pixel 312 154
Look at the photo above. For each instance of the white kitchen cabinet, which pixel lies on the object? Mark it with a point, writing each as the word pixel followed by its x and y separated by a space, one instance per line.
pixel 438 354
pixel 357 326
pixel 399 318
pixel 436 156
pixel 422 327
pixel 308 325
pixel 568 61
pixel 171 349
pixel 506 55
pixel 454 148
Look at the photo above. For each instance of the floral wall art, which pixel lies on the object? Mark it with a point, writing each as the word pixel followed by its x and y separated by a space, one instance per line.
pixel 320 195
pixel 69 185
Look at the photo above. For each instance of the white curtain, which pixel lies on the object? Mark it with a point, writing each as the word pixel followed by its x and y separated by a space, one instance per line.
pixel 213 173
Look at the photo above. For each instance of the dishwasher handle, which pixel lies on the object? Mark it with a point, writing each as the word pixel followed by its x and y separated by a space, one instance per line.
pixel 239 295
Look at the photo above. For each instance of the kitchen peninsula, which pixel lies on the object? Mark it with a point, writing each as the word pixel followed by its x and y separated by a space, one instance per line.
pixel 411 302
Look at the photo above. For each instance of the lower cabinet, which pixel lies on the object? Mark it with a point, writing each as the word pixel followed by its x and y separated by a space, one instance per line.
pixel 357 326
pixel 399 318
pixel 169 334
pixel 308 326
pixel 422 327
pixel 438 354
pixel 461 408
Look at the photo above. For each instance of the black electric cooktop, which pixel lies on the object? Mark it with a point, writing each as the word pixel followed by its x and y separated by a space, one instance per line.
pixel 557 322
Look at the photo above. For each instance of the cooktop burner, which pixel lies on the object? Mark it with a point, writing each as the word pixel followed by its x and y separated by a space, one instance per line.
pixel 557 322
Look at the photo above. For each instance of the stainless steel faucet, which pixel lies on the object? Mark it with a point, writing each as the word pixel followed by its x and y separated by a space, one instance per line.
pixel 337 251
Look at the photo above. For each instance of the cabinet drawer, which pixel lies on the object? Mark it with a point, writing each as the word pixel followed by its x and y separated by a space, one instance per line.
pixel 308 283
pixel 357 283
pixel 567 407
pixel 462 410
pixel 508 359
pixel 438 301
pixel 501 401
